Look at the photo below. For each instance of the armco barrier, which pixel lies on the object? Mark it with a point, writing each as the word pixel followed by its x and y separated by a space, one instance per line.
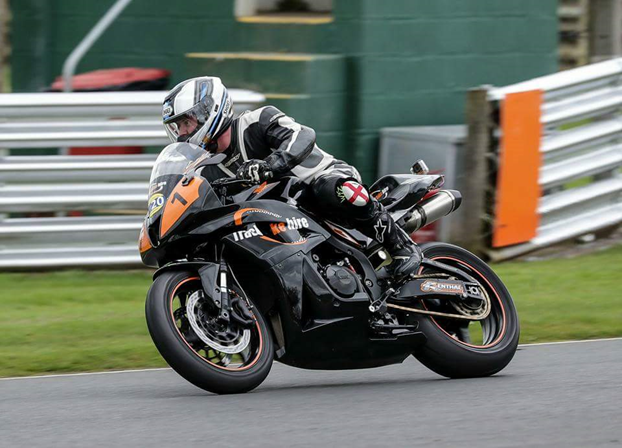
pixel 557 148
pixel 44 120
pixel 110 192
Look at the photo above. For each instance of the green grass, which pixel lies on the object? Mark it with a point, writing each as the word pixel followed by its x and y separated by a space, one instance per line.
pixel 74 321
pixel 88 320
pixel 575 298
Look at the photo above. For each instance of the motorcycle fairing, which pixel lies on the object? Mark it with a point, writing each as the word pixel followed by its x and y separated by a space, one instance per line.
pixel 268 253
pixel 352 236
pixel 289 191
pixel 180 201
pixel 262 211
pixel 269 231
pixel 323 330
pixel 147 253
pixel 176 191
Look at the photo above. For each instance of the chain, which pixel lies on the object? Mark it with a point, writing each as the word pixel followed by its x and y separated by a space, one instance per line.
pixel 436 275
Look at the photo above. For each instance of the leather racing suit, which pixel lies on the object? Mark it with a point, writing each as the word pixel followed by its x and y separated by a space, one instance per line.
pixel 290 150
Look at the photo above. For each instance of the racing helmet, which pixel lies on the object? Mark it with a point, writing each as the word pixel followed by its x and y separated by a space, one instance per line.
pixel 203 101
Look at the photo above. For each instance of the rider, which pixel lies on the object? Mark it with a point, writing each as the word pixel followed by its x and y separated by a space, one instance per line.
pixel 266 144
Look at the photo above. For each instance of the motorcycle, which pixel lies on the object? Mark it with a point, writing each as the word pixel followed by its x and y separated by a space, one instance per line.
pixel 249 274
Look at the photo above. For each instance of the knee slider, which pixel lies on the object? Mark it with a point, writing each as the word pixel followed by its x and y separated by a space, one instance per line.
pixel 340 190
pixel 353 192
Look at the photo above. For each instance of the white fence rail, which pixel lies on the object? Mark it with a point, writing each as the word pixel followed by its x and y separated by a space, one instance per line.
pixel 581 139
pixel 44 120
pixel 108 192
pixel 58 169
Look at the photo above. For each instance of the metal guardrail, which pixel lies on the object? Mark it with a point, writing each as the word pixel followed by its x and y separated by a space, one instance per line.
pixel 100 104
pixel 44 120
pixel 108 192
pixel 58 169
pixel 581 139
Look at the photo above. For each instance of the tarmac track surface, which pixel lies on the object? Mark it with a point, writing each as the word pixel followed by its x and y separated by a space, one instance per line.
pixel 550 395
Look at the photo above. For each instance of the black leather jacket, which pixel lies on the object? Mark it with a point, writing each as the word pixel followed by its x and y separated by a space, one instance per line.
pixel 268 134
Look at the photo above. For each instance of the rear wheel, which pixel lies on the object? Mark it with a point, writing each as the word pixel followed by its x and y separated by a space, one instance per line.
pixel 459 348
pixel 219 358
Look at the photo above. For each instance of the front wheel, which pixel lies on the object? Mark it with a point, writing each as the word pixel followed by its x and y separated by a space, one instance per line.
pixel 464 349
pixel 222 359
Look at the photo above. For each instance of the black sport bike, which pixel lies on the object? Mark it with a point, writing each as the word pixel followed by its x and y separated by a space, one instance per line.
pixel 249 273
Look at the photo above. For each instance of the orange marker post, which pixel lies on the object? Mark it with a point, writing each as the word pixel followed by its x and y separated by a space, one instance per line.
pixel 518 191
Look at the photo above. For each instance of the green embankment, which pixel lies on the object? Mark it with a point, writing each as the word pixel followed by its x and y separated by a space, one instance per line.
pixel 83 321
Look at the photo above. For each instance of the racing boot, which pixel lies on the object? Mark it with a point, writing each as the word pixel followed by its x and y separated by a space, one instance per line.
pixel 406 255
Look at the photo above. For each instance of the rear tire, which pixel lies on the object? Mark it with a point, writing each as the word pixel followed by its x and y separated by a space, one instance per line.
pixel 445 353
pixel 184 356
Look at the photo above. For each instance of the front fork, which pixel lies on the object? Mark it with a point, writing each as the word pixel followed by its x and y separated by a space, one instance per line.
pixel 216 279
pixel 225 299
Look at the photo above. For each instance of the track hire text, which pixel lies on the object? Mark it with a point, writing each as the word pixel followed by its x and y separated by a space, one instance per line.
pixel 275 228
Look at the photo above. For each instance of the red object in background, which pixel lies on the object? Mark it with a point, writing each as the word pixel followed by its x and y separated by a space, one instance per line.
pixel 425 234
pixel 118 79
pixel 105 150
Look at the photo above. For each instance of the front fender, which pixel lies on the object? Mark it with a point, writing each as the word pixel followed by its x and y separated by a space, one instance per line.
pixel 180 266
pixel 207 271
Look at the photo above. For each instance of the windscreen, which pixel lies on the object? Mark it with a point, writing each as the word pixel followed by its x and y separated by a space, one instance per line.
pixel 174 159
pixel 169 168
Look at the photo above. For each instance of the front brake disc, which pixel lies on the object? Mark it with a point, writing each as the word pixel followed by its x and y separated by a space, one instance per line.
pixel 236 346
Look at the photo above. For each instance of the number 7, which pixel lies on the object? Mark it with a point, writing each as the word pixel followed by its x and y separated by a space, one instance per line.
pixel 180 198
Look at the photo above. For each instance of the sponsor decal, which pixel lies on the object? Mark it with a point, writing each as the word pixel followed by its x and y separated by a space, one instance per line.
pixel 167 110
pixel 231 160
pixel 380 194
pixel 244 234
pixel 473 290
pixel 380 228
pixel 156 202
pixel 289 224
pixel 156 188
pixel 239 215
pixel 354 193
pixel 295 243
pixel 446 287
pixel 226 107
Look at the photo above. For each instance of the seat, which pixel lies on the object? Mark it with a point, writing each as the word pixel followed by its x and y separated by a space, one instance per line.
pixel 400 191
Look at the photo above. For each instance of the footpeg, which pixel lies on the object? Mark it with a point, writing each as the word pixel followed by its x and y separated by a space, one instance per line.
pixel 380 305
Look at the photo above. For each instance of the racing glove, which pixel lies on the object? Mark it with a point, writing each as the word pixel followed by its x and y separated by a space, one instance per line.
pixel 255 171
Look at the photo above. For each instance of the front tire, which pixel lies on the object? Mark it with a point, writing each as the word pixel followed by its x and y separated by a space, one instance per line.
pixel 449 350
pixel 188 354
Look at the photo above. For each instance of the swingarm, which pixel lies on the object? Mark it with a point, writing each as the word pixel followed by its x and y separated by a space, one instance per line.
pixel 471 300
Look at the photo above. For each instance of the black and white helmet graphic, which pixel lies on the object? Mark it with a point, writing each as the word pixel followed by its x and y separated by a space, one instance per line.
pixel 197 111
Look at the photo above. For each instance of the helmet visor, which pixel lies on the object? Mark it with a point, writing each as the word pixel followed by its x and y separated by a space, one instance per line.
pixel 185 125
